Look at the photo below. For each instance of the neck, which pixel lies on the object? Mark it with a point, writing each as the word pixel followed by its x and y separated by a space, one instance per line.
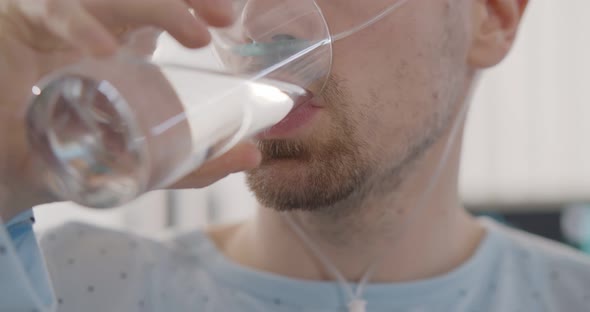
pixel 412 236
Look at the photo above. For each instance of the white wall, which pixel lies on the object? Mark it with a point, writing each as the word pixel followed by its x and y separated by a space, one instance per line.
pixel 527 138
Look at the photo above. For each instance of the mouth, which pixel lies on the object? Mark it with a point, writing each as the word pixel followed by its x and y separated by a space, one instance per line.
pixel 303 112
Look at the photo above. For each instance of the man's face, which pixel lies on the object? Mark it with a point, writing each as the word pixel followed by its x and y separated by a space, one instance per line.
pixel 394 88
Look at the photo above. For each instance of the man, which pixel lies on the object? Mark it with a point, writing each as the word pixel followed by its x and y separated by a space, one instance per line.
pixel 363 188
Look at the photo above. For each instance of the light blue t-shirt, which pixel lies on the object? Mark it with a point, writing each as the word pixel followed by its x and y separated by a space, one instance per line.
pixel 24 284
pixel 95 269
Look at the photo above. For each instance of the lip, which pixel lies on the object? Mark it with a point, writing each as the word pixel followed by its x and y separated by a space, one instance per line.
pixel 300 116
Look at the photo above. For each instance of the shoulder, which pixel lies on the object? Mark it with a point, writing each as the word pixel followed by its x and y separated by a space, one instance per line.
pixel 559 273
pixel 111 270
pixel 95 267
pixel 75 234
pixel 84 244
pixel 549 251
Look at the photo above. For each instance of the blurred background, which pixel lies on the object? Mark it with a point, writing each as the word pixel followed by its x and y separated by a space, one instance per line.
pixel 526 149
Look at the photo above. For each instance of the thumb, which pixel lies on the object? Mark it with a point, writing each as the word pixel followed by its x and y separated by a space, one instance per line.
pixel 244 156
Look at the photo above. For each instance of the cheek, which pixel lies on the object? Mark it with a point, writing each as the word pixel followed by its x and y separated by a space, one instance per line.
pixel 390 88
pixel 394 103
pixel 403 76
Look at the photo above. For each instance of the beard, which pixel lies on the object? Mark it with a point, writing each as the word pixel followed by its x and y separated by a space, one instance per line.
pixel 314 173
pixel 303 176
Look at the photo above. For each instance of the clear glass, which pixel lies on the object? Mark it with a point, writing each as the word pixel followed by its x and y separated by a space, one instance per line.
pixel 114 129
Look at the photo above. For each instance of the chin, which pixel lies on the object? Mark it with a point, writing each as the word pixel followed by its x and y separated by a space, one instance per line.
pixel 299 185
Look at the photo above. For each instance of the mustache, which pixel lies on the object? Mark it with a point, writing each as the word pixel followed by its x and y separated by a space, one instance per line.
pixel 283 149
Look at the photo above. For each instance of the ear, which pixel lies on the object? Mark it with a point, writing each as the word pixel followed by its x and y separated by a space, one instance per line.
pixel 495 24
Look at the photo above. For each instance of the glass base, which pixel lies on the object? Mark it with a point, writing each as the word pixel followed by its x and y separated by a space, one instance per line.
pixel 85 132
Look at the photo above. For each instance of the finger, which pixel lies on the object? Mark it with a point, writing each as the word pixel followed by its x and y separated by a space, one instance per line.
pixel 70 22
pixel 143 41
pixel 87 34
pixel 172 16
pixel 244 156
pixel 218 13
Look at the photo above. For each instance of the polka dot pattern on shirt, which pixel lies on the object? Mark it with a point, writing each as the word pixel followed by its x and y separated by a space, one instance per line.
pixel 184 283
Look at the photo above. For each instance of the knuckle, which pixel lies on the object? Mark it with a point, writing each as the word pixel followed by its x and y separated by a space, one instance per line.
pixel 53 8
